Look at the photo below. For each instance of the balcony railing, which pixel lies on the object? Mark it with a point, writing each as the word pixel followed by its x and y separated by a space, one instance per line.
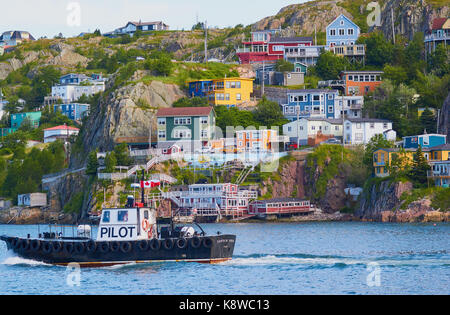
pixel 433 37
pixel 443 173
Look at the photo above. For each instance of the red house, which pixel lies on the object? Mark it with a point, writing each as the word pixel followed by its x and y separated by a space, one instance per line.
pixel 265 46
pixel 280 206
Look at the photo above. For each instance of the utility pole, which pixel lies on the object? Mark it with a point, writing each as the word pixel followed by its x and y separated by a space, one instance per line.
pixel 263 79
pixel 206 41
pixel 438 117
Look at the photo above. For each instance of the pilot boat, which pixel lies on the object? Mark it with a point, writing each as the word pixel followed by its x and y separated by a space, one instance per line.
pixel 131 234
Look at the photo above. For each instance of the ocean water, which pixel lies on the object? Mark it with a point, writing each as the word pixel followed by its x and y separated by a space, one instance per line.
pixel 303 258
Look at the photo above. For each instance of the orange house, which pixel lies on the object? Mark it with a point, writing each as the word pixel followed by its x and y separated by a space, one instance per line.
pixel 361 82
pixel 255 140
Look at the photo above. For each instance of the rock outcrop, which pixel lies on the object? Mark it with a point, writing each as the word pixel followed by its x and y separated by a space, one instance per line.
pixel 128 112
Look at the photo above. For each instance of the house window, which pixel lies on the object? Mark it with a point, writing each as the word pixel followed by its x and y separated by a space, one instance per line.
pixel 227 84
pixel 204 133
pixel 330 109
pixel 333 32
pixel 161 134
pixel 227 96
pixel 372 125
pixel 238 84
pixel 161 121
pixel 182 134
pixel 238 96
pixel 341 32
pixel 316 98
pixel 350 31
pixel 182 121
pixel 385 125
pixel 358 126
pixel 204 120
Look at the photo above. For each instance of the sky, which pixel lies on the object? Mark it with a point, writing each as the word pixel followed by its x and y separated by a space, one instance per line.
pixel 72 17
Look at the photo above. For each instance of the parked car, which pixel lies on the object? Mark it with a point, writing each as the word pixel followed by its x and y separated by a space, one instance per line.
pixel 332 141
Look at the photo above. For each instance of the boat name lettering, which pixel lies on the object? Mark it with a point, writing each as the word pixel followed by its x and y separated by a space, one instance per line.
pixel 112 233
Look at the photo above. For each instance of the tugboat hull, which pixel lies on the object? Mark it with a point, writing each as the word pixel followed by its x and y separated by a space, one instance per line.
pixel 89 253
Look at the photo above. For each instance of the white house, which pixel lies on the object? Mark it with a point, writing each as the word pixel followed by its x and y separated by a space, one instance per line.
pixel 309 128
pixel 70 93
pixel 32 200
pixel 353 106
pixel 361 130
pixel 59 132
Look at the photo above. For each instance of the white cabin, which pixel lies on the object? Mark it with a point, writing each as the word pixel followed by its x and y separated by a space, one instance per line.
pixel 127 224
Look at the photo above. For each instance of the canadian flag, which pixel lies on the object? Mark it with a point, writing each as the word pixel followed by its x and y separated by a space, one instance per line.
pixel 150 183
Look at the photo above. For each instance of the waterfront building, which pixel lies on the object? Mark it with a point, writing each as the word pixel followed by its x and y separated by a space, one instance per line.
pixel 382 159
pixel 361 130
pixel 131 27
pixel 216 199
pixel 191 128
pixel 32 200
pixel 280 206
pixel 361 82
pixel 440 173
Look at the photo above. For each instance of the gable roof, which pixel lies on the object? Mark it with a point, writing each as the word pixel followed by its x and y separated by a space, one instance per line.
pixel 438 23
pixel 183 111
pixel 348 19
pixel 62 127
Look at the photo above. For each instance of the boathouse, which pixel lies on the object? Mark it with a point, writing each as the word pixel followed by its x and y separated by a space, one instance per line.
pixel 280 206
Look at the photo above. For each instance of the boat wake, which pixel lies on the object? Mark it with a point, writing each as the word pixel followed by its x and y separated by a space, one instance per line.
pixel 329 261
pixel 12 260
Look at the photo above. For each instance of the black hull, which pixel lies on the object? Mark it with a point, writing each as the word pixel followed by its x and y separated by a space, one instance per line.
pixel 208 249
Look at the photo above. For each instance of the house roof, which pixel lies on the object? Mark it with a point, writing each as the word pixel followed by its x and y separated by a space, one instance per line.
pixel 18 35
pixel 363 120
pixel 145 23
pixel 62 127
pixel 438 23
pixel 274 200
pixel 348 19
pixel 290 39
pixel 442 147
pixel 312 91
pixel 183 111
pixel 364 72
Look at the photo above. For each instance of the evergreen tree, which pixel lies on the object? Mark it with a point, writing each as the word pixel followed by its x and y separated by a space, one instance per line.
pixel 269 114
pixel 110 162
pixel 121 154
pixel 419 169
pixel 92 163
pixel 428 121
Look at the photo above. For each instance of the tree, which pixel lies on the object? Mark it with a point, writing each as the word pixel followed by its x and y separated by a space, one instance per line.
pixel 428 121
pixel 163 65
pixel 438 61
pixel 419 169
pixel 378 50
pixel 191 102
pixel 97 32
pixel 329 66
pixel 121 154
pixel 284 66
pixel 268 113
pixel 92 163
pixel 400 164
pixel 110 162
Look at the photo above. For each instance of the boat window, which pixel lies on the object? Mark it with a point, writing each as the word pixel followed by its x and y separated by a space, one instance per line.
pixel 122 216
pixel 106 216
pixel 146 214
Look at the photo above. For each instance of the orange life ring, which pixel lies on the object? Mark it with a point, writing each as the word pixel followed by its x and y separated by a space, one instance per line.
pixel 150 232
pixel 145 225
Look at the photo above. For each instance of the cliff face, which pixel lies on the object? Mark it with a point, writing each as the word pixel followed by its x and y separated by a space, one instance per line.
pixel 444 118
pixel 382 203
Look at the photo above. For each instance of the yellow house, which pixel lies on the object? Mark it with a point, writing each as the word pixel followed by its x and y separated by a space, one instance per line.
pixel 382 159
pixel 230 92
pixel 439 153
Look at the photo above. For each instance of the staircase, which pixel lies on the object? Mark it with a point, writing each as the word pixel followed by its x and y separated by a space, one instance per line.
pixel 243 175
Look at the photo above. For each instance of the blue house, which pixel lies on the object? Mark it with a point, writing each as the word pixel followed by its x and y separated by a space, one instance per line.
pixel 74 111
pixel 199 88
pixel 425 141
pixel 318 103
pixel 342 32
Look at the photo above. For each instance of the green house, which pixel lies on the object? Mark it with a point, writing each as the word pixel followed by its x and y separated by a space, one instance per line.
pixel 189 128
pixel 300 67
pixel 33 117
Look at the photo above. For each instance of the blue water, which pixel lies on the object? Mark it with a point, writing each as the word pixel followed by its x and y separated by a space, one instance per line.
pixel 304 258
